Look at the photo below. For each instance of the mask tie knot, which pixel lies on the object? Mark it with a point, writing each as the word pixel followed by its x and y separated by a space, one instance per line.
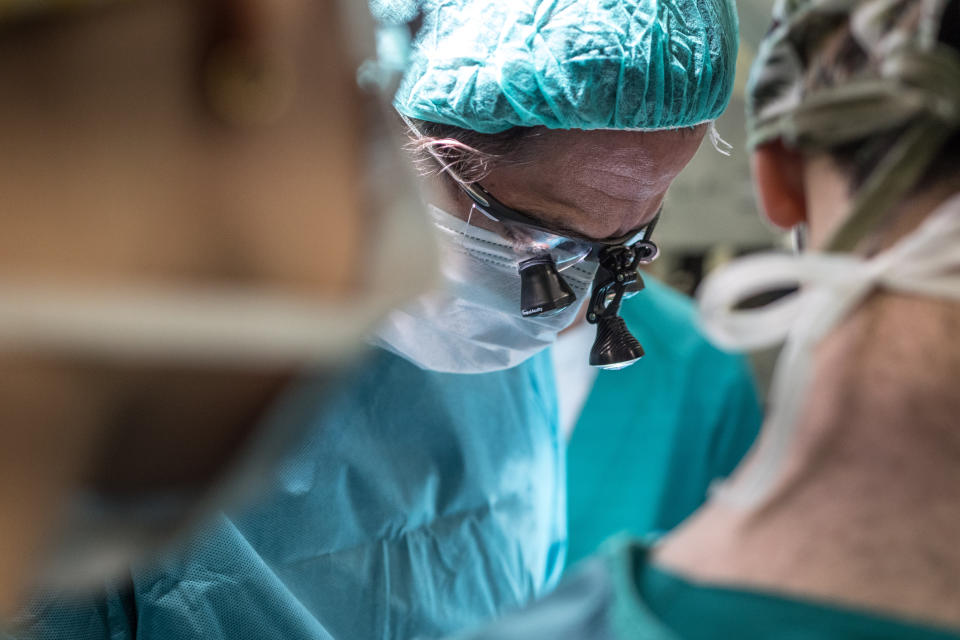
pixel 827 289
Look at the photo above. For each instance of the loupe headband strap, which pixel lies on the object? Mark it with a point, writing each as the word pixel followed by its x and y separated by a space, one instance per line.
pixel 483 199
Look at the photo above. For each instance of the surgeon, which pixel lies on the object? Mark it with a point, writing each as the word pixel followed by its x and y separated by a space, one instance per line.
pixel 529 216
pixel 161 287
pixel 843 521
pixel 428 496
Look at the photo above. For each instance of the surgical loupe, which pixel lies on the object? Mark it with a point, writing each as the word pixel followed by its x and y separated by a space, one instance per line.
pixel 542 257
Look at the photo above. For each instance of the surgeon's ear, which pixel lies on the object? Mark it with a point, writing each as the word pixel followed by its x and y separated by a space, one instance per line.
pixel 778 178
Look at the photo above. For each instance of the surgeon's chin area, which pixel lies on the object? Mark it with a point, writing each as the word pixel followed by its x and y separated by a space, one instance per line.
pixel 600 184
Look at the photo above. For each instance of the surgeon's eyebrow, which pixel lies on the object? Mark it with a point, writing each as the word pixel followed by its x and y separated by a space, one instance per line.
pixel 564 230
pixel 544 217
pixel 558 228
pixel 577 205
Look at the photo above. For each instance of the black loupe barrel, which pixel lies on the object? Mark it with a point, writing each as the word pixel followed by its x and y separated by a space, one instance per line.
pixel 615 347
pixel 542 288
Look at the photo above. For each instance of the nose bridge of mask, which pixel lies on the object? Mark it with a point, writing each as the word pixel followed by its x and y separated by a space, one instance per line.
pixel 482 266
pixel 520 240
pixel 467 241
pixel 580 277
pixel 460 236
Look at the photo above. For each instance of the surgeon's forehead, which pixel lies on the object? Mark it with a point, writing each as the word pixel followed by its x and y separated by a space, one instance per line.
pixel 599 183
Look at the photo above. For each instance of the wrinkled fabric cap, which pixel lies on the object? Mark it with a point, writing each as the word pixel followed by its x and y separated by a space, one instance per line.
pixel 805 68
pixel 489 65
pixel 395 12
pixel 832 72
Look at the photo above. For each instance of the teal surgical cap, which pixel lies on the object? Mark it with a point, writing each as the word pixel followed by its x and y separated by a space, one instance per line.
pixel 393 12
pixel 489 65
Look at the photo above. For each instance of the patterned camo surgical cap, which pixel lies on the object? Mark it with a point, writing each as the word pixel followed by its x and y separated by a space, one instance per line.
pixel 832 72
pixel 489 65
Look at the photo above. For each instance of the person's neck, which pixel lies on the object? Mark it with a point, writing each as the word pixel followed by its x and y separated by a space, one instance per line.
pixel 865 511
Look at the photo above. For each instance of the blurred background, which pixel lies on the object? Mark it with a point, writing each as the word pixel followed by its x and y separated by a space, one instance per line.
pixel 711 212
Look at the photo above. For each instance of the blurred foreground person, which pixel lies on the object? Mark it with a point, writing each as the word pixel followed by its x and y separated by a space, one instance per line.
pixel 196 202
pixel 428 496
pixel 843 521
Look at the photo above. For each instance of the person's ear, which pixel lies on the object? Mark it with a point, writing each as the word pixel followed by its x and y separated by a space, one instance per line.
pixel 778 179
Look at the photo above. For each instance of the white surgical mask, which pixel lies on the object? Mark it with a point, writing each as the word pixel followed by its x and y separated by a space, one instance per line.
pixel 472 323
pixel 926 263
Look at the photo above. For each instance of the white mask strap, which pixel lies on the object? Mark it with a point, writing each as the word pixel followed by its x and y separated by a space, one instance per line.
pixel 926 262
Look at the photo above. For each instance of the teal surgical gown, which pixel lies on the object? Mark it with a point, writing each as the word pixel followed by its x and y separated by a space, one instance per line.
pixel 652 438
pixel 618 595
pixel 420 504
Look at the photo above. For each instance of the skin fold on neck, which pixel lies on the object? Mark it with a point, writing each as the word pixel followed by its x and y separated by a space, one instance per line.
pixel 865 511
